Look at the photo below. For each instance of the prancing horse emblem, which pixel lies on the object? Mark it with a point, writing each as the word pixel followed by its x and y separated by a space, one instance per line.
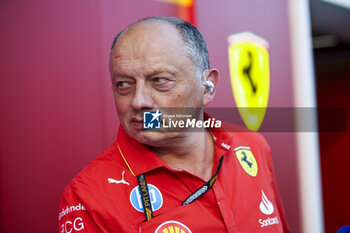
pixel 244 159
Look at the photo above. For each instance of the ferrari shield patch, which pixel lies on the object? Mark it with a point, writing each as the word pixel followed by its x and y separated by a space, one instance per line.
pixel 247 160
pixel 250 76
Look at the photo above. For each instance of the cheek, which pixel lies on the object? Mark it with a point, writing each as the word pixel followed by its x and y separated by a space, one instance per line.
pixel 121 106
pixel 193 96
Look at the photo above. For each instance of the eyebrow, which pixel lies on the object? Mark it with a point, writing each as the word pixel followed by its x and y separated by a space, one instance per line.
pixel 169 70
pixel 117 75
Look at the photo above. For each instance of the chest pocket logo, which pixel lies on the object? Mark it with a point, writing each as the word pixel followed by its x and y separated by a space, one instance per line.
pixel 172 227
pixel 247 160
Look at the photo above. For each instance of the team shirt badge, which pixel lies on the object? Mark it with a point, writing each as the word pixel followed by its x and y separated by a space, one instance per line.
pixel 172 227
pixel 247 160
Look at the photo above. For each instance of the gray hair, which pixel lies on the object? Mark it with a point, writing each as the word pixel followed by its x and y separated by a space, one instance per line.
pixel 194 42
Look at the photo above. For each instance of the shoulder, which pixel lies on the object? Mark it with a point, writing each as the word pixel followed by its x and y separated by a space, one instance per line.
pixel 96 173
pixel 243 136
pixel 97 194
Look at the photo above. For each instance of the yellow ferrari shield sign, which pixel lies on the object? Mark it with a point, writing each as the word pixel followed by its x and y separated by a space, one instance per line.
pixel 247 161
pixel 250 76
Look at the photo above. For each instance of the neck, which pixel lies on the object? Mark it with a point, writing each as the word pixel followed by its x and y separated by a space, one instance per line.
pixel 193 153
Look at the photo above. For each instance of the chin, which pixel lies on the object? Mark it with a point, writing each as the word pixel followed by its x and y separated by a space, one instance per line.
pixel 155 138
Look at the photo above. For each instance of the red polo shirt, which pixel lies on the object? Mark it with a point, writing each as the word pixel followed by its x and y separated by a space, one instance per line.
pixel 104 197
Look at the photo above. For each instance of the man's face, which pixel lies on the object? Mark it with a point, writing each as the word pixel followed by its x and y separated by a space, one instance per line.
pixel 149 69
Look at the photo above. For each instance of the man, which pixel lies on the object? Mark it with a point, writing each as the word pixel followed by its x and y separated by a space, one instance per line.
pixel 170 181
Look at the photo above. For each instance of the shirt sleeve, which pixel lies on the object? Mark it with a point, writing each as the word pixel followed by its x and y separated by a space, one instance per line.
pixel 278 201
pixel 73 215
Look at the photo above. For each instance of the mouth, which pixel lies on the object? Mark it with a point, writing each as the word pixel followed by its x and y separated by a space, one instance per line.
pixel 136 123
pixel 135 119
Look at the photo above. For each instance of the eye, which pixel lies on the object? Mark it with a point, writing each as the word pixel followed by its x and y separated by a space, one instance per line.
pixel 163 83
pixel 123 87
pixel 122 84
pixel 160 80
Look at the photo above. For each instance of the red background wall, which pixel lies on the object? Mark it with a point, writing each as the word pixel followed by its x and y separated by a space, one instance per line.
pixel 57 109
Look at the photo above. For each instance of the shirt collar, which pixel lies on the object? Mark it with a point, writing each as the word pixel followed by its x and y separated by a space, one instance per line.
pixel 140 159
pixel 222 140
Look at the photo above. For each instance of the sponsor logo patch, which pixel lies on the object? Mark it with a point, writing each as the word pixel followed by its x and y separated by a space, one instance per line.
pixel 70 209
pixel 76 225
pixel 247 160
pixel 155 196
pixel 172 227
pixel 122 181
pixel 266 207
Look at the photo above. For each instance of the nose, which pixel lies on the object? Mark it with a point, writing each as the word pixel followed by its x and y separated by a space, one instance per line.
pixel 142 98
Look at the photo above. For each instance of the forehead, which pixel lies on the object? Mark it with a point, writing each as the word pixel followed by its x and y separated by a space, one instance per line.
pixel 153 33
pixel 150 40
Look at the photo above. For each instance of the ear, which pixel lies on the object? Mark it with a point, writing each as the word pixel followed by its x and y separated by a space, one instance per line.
pixel 213 76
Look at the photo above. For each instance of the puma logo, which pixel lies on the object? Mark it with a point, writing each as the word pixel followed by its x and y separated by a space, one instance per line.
pixel 122 181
